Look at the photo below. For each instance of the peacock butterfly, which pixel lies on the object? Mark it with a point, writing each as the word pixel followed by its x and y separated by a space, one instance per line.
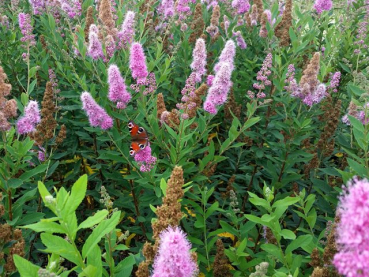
pixel 139 138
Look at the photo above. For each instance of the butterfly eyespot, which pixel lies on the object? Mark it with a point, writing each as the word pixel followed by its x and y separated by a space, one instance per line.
pixel 131 152
pixel 130 125
pixel 142 146
pixel 140 130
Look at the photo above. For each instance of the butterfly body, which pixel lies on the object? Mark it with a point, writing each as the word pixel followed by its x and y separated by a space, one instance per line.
pixel 139 138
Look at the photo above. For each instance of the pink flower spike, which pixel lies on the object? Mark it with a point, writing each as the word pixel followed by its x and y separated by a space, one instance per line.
pixel 352 230
pixel 117 88
pixel 218 92
pixel 27 123
pixel 323 5
pixel 174 257
pixel 137 63
pixel 97 116
pixel 127 32
pixel 199 59
pixel 95 48
pixel 145 160
pixel 26 28
pixel 227 55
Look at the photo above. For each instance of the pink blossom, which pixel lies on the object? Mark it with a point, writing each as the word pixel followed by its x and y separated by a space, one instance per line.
pixel 199 59
pixel 27 123
pixel 352 230
pixel 38 6
pixel 174 256
pixel 322 5
pixel 227 55
pixel 26 28
pixel 71 7
pixel 109 46
pixel 97 116
pixel 127 32
pixel 209 80
pixel 166 8
pixel 183 7
pixel 218 92
pixel 137 63
pixel 239 39
pixel 145 160
pixel 117 88
pixel 242 6
pixel 95 50
pixel 335 81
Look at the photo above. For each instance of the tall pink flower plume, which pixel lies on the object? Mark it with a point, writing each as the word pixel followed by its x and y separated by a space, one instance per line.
pixel 166 8
pixel 242 6
pixel 352 230
pixel 95 50
pixel 145 160
pixel 227 55
pixel 96 114
pixel 26 28
pixel 174 257
pixel 199 59
pixel 27 123
pixel 127 32
pixel 322 5
pixel 240 40
pixel 117 88
pixel 218 92
pixel 137 63
pixel 38 6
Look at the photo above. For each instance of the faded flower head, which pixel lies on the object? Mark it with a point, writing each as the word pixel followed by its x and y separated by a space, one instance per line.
pixel 174 257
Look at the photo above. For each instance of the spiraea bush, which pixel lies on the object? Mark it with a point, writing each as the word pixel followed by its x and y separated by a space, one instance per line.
pixel 184 138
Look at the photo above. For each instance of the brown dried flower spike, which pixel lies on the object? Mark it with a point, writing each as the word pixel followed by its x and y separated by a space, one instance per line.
pixel 282 29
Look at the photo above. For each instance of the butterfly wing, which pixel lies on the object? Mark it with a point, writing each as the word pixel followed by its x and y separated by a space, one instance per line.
pixel 138 136
pixel 137 146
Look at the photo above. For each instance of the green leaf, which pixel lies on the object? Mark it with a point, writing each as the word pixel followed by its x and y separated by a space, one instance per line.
pixel 30 173
pixel 212 209
pixel 61 247
pixel 25 268
pixel 94 259
pixel 357 124
pixel 273 250
pixel 124 268
pixel 257 201
pixel 101 230
pixel 359 169
pixel 93 220
pixel 48 227
pixel 355 89
pixel 286 202
pixel 301 241
pixel 77 195
pixel 163 186
pixel 287 234
pixel 44 192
